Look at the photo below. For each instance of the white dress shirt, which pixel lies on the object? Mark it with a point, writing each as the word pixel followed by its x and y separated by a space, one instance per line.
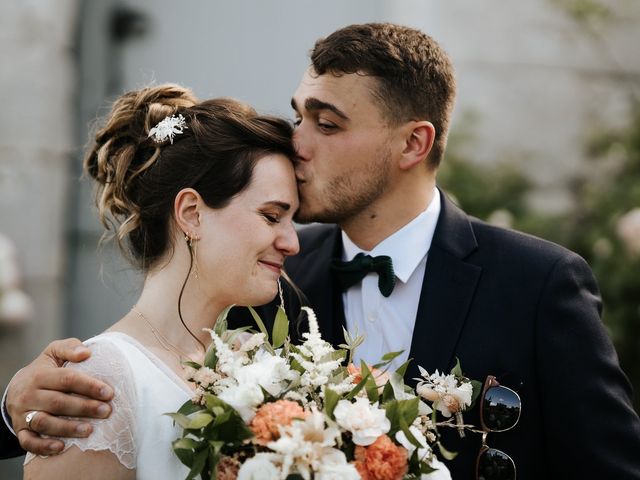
pixel 387 322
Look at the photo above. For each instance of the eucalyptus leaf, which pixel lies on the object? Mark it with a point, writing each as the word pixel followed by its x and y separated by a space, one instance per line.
pixel 280 328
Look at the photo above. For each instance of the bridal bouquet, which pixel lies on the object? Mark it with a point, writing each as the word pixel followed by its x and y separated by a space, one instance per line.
pixel 265 408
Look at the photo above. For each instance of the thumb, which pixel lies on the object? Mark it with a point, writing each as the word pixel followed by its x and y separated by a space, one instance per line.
pixel 67 350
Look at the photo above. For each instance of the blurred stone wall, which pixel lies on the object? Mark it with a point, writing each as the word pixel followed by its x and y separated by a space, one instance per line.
pixel 36 136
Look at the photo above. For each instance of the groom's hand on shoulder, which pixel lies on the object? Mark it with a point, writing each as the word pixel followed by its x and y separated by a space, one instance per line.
pixel 45 387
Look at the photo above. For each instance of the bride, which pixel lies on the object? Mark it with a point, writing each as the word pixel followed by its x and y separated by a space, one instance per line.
pixel 201 198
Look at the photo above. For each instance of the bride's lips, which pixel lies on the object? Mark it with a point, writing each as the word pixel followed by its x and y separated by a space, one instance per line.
pixel 273 266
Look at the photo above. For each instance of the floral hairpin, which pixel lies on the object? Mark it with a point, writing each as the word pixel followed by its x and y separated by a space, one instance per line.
pixel 167 128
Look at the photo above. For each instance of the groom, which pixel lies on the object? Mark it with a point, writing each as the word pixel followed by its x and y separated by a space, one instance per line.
pixel 373 112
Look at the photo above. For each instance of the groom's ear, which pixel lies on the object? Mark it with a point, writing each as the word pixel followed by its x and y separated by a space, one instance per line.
pixel 186 210
pixel 418 137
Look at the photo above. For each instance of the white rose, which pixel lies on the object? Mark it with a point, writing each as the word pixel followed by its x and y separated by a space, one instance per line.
pixel 402 439
pixel 366 422
pixel 334 466
pixel 442 472
pixel 464 393
pixel 259 467
pixel 245 398
pixel 268 371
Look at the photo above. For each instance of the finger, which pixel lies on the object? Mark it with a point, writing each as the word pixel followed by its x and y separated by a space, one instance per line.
pixel 32 442
pixel 67 350
pixel 70 381
pixel 45 424
pixel 56 403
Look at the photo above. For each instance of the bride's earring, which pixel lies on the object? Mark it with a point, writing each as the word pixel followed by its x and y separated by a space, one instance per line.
pixel 192 243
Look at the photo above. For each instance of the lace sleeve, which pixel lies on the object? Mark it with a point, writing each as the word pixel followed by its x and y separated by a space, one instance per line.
pixel 116 433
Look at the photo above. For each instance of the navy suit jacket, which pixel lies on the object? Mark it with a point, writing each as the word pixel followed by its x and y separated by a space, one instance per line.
pixel 524 310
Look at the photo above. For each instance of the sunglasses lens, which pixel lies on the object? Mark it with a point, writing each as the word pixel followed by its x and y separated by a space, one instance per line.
pixel 495 465
pixel 500 409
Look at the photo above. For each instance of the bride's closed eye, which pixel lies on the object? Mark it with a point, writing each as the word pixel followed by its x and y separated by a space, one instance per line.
pixel 271 217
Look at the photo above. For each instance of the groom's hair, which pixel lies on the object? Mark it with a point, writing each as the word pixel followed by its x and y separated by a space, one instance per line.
pixel 414 74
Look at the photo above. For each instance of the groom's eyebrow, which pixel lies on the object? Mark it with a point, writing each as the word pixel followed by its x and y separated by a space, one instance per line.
pixel 313 104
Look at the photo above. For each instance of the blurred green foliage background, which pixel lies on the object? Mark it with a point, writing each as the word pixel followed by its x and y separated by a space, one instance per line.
pixel 602 224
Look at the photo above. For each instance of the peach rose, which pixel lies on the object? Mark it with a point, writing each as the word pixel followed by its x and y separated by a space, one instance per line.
pixel 382 460
pixel 380 377
pixel 272 415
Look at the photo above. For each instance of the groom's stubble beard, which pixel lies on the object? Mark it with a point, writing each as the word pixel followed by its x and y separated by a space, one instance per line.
pixel 346 195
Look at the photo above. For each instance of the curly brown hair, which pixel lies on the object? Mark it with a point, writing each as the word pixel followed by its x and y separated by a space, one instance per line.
pixel 138 179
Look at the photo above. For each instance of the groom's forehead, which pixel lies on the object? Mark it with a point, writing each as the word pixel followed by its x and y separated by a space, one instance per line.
pixel 333 91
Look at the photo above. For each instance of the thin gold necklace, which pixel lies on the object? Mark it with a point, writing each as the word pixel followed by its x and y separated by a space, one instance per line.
pixel 162 340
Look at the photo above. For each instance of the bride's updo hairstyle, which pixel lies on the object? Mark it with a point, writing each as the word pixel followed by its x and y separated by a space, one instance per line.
pixel 138 178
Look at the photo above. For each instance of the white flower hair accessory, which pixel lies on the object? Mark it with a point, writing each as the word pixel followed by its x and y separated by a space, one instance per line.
pixel 168 128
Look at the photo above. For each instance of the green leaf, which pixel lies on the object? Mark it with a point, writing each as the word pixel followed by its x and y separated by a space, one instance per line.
pixel 179 418
pixel 234 334
pixel 331 399
pixel 402 369
pixel 405 428
pixel 262 328
pixel 185 456
pixel 457 370
pixel 477 388
pixel 407 410
pixel 398 386
pixel 357 388
pixel 280 328
pixel 210 358
pixel 189 407
pixel 446 454
pixel 370 385
pixel 185 444
pixel 199 460
pixel 190 363
pixel 199 420
pixel 221 324
pixel 259 322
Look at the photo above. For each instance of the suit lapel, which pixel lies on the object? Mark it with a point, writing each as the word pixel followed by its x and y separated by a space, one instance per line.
pixel 316 281
pixel 447 291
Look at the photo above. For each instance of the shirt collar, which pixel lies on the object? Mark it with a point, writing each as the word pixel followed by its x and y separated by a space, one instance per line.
pixel 406 247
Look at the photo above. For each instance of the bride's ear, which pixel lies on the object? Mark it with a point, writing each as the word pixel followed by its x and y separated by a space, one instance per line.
pixel 186 211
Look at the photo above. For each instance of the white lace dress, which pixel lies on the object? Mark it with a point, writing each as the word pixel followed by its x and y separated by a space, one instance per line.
pixel 137 432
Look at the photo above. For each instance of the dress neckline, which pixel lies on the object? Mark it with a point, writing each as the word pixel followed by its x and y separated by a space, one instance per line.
pixel 153 358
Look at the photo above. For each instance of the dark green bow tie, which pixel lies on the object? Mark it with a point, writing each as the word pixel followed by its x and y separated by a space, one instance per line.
pixel 349 273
